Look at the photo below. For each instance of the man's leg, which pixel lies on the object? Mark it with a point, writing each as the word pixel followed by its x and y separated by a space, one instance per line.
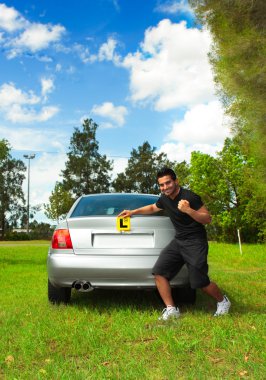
pixel 196 257
pixel 164 289
pixel 213 291
pixel 223 303
pixel 167 265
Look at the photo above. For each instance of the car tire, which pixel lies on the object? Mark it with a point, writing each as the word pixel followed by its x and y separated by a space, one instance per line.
pixel 185 295
pixel 58 295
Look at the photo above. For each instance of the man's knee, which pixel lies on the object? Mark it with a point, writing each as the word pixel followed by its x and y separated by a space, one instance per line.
pixel 160 278
pixel 205 288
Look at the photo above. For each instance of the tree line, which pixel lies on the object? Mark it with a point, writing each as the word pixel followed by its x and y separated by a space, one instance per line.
pixel 221 181
pixel 224 183
pixel 238 62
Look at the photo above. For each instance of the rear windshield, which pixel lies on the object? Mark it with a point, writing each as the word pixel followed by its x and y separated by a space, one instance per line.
pixel 111 204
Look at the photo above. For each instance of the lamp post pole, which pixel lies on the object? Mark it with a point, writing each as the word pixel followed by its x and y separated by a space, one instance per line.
pixel 28 157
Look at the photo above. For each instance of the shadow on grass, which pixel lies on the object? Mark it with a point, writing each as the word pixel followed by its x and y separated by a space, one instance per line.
pixel 111 299
pixel 114 300
pixel 205 303
pixel 146 300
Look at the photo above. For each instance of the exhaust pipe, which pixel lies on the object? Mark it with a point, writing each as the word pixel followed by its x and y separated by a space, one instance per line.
pixel 82 286
pixel 77 285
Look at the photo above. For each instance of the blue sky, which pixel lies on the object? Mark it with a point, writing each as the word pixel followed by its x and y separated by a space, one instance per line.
pixel 138 68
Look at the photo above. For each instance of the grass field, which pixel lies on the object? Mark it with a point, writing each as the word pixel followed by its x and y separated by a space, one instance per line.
pixel 117 335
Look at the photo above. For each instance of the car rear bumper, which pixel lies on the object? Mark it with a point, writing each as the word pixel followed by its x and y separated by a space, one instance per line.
pixel 107 271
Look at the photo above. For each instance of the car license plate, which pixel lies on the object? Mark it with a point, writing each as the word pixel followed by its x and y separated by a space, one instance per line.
pixel 123 224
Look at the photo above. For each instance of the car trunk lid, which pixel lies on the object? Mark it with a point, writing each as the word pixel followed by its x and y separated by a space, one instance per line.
pixel 91 233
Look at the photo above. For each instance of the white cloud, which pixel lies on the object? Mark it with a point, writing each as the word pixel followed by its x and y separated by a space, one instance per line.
pixel 107 125
pixel 18 114
pixel 119 165
pixel 24 36
pixel 171 69
pixel 37 37
pixel 60 48
pixel 45 171
pixel 47 86
pixel 106 51
pixel 174 6
pixel 44 58
pixel 180 151
pixel 10 19
pixel 59 68
pixel 203 128
pixel 84 53
pixel 35 139
pixel 202 124
pixel 108 110
pixel 10 95
pixel 17 105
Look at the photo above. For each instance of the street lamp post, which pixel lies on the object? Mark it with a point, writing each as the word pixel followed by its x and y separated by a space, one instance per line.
pixel 28 157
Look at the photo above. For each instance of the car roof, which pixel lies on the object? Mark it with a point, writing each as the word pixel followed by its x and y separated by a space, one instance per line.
pixel 123 194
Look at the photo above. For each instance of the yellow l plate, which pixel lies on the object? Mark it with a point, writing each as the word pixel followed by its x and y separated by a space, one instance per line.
pixel 123 224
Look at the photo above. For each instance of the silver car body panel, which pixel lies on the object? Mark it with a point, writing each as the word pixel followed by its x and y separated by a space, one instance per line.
pixel 107 258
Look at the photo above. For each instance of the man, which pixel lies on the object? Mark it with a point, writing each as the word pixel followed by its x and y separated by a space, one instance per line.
pixel 190 245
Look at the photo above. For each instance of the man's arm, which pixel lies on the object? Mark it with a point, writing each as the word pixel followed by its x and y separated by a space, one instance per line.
pixel 150 209
pixel 201 215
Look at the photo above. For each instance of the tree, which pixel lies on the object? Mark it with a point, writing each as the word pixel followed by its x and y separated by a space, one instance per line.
pixel 203 179
pixel 238 60
pixel 86 171
pixel 59 204
pixel 40 230
pixel 11 194
pixel 141 171
pixel 24 215
pixel 221 181
pixel 182 171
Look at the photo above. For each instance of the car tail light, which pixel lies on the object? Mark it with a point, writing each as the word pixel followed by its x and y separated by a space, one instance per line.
pixel 61 240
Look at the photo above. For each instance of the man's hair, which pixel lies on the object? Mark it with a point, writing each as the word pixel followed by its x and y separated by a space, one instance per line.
pixel 166 171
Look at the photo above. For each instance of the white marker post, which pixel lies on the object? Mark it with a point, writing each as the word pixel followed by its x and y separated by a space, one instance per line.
pixel 239 241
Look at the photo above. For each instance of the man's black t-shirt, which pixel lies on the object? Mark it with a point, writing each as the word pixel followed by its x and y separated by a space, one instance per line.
pixel 185 226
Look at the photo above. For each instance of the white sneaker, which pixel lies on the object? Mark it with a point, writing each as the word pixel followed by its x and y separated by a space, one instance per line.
pixel 222 307
pixel 170 312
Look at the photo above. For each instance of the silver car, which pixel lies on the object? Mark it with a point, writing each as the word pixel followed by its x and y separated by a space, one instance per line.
pixel 92 248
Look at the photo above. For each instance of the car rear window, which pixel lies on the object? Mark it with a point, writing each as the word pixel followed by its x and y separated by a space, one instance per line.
pixel 111 204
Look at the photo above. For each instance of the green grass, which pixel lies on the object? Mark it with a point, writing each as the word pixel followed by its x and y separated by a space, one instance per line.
pixel 116 334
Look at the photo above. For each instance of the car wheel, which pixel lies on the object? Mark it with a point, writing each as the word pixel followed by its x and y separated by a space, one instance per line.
pixel 184 295
pixel 58 295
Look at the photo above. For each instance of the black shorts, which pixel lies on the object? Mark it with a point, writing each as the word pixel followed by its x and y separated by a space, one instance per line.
pixel 193 253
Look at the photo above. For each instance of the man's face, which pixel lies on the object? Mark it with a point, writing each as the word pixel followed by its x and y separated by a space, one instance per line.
pixel 168 186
